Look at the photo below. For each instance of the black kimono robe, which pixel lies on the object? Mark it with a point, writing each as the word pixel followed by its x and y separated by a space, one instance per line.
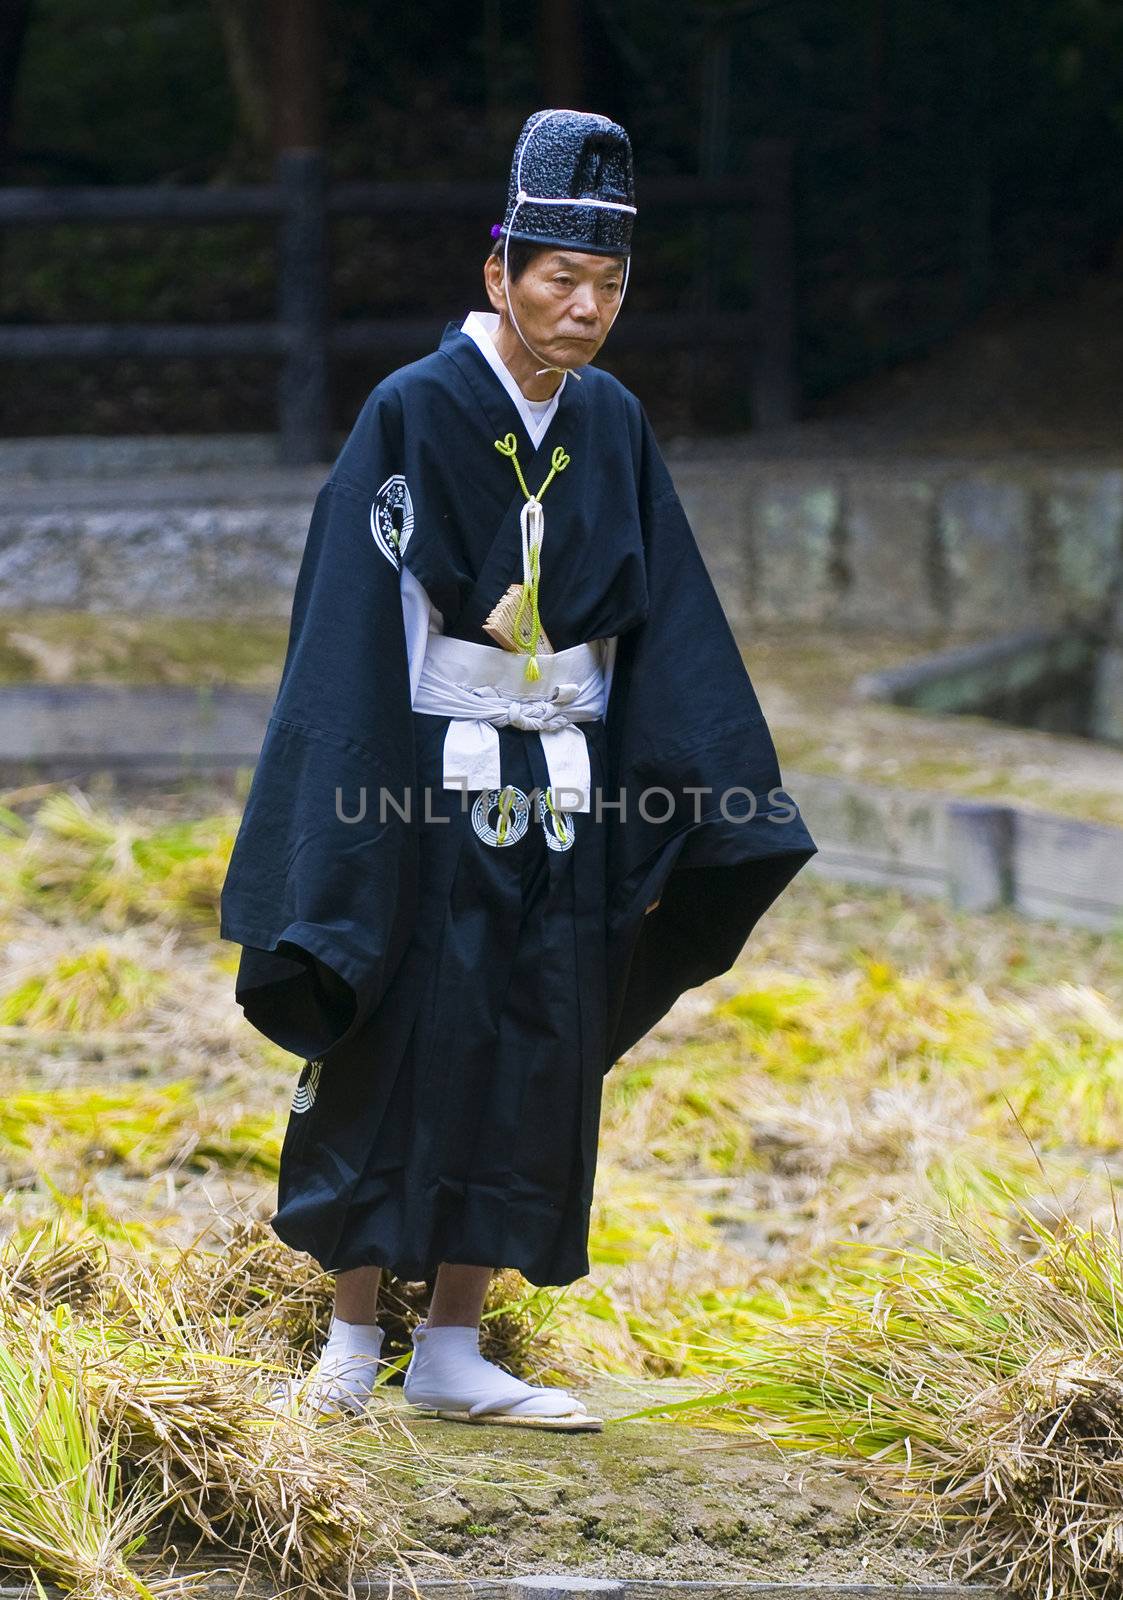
pixel 457 1005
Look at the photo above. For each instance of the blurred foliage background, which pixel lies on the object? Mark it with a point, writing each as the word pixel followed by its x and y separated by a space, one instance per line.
pixel 948 158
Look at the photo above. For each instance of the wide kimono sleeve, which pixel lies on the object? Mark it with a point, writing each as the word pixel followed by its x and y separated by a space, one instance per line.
pixel 321 885
pixel 701 822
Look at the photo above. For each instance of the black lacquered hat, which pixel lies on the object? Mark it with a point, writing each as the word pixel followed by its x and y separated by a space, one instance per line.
pixel 571 184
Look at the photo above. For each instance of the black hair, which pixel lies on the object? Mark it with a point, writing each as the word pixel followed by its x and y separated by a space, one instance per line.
pixel 519 256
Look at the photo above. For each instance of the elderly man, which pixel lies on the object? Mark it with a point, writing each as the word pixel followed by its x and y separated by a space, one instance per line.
pixel 501 613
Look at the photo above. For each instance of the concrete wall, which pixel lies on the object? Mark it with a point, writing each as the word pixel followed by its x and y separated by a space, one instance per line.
pixel 209 527
pixel 931 544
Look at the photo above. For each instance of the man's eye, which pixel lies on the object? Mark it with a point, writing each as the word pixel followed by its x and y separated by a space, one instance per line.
pixel 561 278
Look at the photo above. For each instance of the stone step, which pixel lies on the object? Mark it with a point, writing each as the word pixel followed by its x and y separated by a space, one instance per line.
pixel 659 1506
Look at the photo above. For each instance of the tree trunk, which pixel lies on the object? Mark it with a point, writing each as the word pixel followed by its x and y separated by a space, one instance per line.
pixel 240 26
pixel 297 38
pixel 14 17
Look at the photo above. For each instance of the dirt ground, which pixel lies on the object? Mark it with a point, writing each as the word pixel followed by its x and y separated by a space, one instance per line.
pixel 652 1498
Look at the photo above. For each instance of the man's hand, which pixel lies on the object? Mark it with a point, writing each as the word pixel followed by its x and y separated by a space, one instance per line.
pixel 652 906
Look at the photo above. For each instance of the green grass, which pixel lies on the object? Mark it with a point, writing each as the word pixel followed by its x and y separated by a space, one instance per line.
pixel 56 646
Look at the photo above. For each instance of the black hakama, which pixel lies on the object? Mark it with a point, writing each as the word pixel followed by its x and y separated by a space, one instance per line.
pixel 473 1137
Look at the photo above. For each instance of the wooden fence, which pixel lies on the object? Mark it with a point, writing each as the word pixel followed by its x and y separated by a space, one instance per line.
pixel 303 336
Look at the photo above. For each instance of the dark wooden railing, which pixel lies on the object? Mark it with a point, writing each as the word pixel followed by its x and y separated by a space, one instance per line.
pixel 303 336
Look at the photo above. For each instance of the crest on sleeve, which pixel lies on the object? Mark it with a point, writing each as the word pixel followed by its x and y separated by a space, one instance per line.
pixel 305 1096
pixel 391 519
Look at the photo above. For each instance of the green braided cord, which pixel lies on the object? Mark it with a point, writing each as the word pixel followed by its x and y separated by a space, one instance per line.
pixel 529 597
pixel 506 800
pixel 561 830
pixel 508 446
pixel 558 463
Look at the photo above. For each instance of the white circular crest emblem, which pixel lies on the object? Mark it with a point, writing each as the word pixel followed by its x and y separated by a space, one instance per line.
pixel 557 825
pixel 391 519
pixel 305 1097
pixel 517 819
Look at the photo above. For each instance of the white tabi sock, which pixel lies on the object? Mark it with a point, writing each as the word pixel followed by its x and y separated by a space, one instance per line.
pixel 348 1366
pixel 446 1370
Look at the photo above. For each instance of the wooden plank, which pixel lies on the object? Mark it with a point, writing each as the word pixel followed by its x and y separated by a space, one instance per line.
pixel 33 206
pixel 391 336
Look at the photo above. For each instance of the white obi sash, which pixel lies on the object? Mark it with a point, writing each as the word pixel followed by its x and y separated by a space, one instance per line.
pixel 483 688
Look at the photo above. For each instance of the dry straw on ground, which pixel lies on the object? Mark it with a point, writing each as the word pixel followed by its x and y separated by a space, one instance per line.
pixel 978 1383
pixel 135 1437
pixel 775 1159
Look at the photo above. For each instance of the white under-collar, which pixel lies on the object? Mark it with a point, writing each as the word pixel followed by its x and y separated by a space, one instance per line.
pixel 482 327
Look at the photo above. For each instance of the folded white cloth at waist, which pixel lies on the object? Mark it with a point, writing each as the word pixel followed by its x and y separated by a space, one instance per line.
pixel 483 688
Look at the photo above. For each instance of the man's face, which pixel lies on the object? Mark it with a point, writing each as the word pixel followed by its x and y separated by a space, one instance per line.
pixel 565 301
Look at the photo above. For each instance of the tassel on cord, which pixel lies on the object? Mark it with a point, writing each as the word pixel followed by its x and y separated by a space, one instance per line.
pixel 527 628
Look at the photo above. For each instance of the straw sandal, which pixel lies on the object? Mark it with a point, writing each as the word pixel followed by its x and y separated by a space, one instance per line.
pixel 572 1422
pixel 490 1411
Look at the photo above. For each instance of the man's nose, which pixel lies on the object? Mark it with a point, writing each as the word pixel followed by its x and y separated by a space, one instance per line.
pixel 585 304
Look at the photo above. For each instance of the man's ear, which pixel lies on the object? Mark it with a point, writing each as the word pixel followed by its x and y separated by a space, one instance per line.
pixel 493 283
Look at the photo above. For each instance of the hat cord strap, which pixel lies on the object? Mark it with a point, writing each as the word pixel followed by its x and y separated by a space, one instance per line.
pixel 549 367
pixel 533 525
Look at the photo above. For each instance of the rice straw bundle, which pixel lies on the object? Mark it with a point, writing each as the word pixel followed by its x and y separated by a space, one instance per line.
pixel 137 1415
pixel 982 1389
pixel 62 1509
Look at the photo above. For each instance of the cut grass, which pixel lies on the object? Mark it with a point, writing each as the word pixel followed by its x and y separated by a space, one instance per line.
pixel 765 1166
pixel 62 1507
pixel 980 1381
pixel 133 1418
pixel 82 860
pixel 97 988
pixel 145 1129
